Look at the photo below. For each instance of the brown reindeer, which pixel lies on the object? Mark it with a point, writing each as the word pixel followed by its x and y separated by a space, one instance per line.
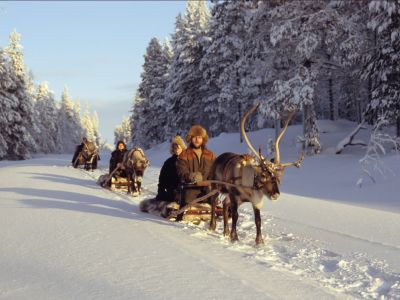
pixel 135 163
pixel 243 178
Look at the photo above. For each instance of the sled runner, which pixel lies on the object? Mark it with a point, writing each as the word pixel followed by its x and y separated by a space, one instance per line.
pixel 196 210
pixel 194 213
pixel 115 183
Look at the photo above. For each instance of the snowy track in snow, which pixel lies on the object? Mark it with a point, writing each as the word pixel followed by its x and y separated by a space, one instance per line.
pixel 65 237
pixel 355 274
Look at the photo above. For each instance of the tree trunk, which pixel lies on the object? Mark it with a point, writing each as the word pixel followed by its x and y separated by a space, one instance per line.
pixel 398 127
pixel 311 143
pixel 332 106
pixel 359 111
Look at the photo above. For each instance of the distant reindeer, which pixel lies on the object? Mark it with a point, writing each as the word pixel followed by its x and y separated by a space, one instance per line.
pixel 87 157
pixel 248 179
pixel 135 163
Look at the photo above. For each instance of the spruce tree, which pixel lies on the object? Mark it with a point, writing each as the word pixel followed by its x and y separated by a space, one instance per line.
pixel 47 114
pixel 87 125
pixel 8 106
pixel 70 123
pixel 221 65
pixel 183 91
pixel 22 127
pixel 123 132
pixel 150 90
pixel 382 64
pixel 96 130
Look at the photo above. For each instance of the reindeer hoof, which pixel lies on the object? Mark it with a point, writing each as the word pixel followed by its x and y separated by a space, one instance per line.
pixel 259 242
pixel 234 238
pixel 226 232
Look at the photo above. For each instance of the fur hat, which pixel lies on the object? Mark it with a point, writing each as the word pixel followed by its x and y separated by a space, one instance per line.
pixel 178 141
pixel 120 142
pixel 197 130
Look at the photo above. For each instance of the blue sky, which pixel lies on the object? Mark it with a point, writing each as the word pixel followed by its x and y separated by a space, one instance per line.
pixel 95 48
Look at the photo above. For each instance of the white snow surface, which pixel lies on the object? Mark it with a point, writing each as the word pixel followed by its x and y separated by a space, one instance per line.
pixel 64 237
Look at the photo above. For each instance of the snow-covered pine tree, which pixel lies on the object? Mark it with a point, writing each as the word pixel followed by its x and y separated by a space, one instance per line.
pixel 159 97
pixel 96 130
pixel 347 92
pixel 136 120
pixel 47 113
pixel 87 125
pixel 7 104
pixel 221 66
pixel 70 123
pixel 183 91
pixel 173 112
pixel 22 128
pixel 261 64
pixel 151 91
pixel 382 64
pixel 306 28
pixel 30 84
pixel 123 131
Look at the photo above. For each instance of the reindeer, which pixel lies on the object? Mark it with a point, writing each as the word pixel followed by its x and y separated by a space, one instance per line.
pixel 87 157
pixel 243 178
pixel 135 163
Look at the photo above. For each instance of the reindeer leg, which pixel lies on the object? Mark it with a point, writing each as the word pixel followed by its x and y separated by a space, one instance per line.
pixel 213 223
pixel 226 208
pixel 135 190
pixel 129 179
pixel 235 216
pixel 257 218
pixel 135 186
pixel 182 203
pixel 139 187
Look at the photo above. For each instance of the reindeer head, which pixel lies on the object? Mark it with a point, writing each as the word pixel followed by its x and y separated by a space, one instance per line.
pixel 268 173
pixel 140 166
pixel 137 161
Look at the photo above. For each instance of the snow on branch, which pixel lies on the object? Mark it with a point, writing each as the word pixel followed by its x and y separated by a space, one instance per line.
pixel 372 161
pixel 349 140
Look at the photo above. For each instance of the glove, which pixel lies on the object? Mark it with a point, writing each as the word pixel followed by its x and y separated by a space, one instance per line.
pixel 196 177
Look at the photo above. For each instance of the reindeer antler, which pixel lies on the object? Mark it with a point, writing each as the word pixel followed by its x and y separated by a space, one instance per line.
pixel 278 138
pixel 297 163
pixel 242 122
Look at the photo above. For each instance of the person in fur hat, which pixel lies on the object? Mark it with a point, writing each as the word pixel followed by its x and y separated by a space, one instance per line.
pixel 168 182
pixel 194 164
pixel 117 156
pixel 78 149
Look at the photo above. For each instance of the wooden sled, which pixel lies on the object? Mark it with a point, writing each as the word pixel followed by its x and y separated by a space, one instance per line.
pixel 121 184
pixel 196 211
pixel 199 212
